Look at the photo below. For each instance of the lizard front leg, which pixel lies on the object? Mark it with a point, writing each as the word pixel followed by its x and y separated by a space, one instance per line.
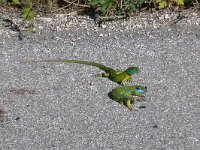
pixel 128 104
pixel 127 78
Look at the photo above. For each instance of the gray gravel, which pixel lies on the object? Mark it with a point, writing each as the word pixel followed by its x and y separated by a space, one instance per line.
pixel 63 106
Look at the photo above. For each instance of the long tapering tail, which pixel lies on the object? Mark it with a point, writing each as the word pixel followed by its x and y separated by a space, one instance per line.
pixel 106 69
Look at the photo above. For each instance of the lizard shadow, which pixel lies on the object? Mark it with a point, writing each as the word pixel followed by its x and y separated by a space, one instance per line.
pixel 110 95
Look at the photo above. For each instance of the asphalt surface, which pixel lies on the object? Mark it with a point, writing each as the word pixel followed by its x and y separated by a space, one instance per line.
pixel 63 106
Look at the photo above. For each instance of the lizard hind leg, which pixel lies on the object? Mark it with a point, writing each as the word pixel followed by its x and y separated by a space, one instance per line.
pixel 102 75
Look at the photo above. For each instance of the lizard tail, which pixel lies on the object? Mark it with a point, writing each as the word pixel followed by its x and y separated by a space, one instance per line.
pixel 102 67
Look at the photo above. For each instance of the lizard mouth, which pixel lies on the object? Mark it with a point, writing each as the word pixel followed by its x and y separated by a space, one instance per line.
pixel 139 96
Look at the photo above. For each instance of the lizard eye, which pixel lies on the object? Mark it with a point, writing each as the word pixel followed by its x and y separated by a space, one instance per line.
pixel 132 70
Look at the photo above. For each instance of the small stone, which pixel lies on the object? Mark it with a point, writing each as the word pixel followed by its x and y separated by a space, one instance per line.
pixel 101 35
pixel 45 19
pixel 103 26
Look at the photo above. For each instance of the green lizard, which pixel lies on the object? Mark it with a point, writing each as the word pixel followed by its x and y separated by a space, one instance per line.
pixel 115 75
pixel 127 94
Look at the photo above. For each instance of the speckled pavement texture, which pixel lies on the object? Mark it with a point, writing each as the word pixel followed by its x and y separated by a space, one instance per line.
pixel 50 106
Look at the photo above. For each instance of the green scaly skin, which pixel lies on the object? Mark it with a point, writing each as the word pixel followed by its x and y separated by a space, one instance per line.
pixel 117 76
pixel 126 95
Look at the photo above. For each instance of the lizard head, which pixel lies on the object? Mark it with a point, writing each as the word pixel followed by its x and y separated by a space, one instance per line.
pixel 140 90
pixel 132 70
